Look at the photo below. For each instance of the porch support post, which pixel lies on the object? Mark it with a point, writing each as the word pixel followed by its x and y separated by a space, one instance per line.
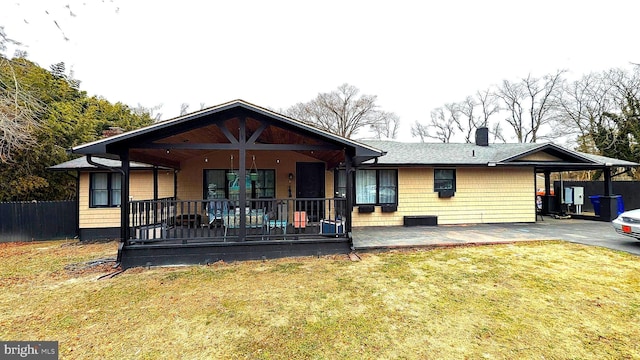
pixel 155 206
pixel 124 201
pixel 242 154
pixel 155 183
pixel 175 185
pixel 349 205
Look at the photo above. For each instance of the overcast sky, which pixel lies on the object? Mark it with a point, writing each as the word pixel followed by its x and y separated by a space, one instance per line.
pixel 414 55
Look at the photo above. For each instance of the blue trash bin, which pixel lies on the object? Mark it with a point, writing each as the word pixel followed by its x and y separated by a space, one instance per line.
pixel 595 201
pixel 620 204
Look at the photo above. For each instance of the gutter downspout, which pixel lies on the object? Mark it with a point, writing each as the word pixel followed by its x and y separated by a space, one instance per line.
pixel 102 166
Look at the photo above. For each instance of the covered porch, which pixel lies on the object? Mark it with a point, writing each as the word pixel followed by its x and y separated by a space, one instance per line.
pixel 250 184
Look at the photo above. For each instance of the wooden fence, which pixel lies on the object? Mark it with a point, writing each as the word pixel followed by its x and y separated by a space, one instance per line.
pixel 629 190
pixel 43 220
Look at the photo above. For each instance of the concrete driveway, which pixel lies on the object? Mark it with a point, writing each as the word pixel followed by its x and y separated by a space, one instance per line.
pixel 587 232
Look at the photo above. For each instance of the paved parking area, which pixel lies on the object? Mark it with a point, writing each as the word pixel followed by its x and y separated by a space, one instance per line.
pixel 587 232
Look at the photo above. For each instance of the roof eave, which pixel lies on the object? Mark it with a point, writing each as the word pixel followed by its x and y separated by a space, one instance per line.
pixel 546 146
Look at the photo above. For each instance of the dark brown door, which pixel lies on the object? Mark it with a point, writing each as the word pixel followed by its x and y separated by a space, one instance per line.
pixel 310 185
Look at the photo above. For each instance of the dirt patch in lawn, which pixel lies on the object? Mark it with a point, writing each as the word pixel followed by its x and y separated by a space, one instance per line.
pixel 41 261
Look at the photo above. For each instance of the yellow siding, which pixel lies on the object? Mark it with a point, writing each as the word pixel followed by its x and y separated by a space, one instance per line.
pixel 190 177
pixel 540 156
pixel 140 188
pixel 482 195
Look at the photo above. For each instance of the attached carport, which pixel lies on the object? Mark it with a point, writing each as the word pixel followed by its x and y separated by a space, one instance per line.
pixel 558 160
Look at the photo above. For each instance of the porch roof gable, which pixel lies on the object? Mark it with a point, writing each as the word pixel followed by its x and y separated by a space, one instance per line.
pixel 105 147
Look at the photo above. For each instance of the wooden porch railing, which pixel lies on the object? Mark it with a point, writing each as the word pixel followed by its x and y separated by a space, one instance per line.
pixel 220 220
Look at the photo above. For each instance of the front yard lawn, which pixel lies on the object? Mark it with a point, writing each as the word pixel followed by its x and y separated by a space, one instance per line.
pixel 544 300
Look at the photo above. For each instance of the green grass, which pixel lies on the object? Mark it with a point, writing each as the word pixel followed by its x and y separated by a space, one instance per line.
pixel 548 300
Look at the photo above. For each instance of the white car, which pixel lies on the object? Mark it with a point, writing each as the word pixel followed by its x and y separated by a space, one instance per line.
pixel 628 223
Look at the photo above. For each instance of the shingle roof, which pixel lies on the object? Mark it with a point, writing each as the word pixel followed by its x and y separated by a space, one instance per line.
pixel 404 153
pixel 82 164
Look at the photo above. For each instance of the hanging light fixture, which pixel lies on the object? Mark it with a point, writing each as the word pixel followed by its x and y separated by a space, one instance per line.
pixel 231 175
pixel 253 171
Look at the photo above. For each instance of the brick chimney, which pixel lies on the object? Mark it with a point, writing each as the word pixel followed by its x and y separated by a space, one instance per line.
pixel 482 136
pixel 112 130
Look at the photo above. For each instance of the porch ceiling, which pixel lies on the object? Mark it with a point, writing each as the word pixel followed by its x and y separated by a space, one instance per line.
pixel 195 142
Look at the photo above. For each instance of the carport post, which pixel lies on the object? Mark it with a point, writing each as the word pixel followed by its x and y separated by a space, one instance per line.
pixel 608 186
pixel 608 203
pixel 547 182
pixel 548 199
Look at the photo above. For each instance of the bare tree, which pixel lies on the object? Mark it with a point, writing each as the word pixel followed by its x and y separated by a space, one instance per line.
pixel 513 95
pixel 467 123
pixel 60 13
pixel 617 133
pixel 488 102
pixel 444 122
pixel 582 104
pixel 442 125
pixel 4 40
pixel 496 131
pixel 466 116
pixel 420 130
pixel 530 104
pixel 344 112
pixel 474 112
pixel 151 111
pixel 387 126
pixel 18 114
pixel 184 109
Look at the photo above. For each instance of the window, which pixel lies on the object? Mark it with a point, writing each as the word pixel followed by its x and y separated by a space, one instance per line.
pixel 216 185
pixel 366 189
pixel 444 179
pixel 372 186
pixel 105 189
pixel 387 186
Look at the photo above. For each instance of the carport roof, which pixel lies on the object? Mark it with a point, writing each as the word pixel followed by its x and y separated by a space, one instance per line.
pixel 541 156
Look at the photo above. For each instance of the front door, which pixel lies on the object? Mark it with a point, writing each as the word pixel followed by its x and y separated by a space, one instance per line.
pixel 310 185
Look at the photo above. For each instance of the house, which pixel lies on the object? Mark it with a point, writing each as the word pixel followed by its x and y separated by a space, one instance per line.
pixel 237 181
